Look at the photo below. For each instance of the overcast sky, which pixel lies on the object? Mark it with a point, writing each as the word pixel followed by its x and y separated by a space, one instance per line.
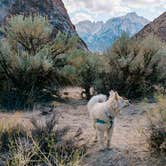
pixel 97 10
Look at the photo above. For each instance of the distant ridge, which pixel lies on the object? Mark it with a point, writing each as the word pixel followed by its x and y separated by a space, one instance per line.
pixel 156 27
pixel 99 35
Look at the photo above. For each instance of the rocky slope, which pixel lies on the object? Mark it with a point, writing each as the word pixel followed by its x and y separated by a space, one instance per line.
pixel 53 9
pixel 99 35
pixel 156 27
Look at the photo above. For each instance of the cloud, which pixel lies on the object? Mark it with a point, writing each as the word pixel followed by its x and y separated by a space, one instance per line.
pixel 96 10
pixel 80 16
pixel 143 3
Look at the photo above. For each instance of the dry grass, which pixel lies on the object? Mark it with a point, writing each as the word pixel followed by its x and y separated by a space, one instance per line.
pixel 37 145
pixel 157 127
pixel 10 120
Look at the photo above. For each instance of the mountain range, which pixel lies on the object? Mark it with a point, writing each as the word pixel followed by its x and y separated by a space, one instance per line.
pixel 101 35
pixel 98 36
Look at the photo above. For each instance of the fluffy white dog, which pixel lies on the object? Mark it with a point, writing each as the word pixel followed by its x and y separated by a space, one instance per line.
pixel 103 112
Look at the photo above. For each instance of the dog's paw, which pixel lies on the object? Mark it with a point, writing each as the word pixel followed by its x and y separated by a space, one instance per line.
pixel 109 148
pixel 95 141
pixel 102 149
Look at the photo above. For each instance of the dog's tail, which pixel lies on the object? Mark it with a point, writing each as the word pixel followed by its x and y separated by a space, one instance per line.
pixel 96 99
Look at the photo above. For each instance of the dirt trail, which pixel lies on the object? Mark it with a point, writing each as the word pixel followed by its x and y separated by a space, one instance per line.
pixel 129 147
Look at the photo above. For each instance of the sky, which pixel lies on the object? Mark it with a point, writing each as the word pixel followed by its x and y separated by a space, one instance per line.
pixel 102 10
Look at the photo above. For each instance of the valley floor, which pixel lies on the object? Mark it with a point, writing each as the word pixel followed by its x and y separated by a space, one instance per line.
pixel 129 147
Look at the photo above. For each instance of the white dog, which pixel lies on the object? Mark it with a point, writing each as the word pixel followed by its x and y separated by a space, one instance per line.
pixel 103 112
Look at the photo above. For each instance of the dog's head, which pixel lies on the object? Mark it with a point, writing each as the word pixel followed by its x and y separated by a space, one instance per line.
pixel 117 101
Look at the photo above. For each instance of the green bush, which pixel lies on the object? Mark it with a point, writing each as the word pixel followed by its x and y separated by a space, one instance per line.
pixel 134 67
pixel 26 76
pixel 88 73
pixel 30 32
pixel 30 61
pixel 84 68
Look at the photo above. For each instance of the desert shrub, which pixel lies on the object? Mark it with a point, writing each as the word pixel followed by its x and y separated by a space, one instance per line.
pixel 38 147
pixel 157 127
pixel 135 66
pixel 29 32
pixel 31 61
pixel 73 62
pixel 88 72
pixel 84 68
pixel 25 75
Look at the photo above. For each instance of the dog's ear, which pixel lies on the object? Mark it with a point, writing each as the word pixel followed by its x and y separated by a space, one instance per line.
pixel 116 95
pixel 111 93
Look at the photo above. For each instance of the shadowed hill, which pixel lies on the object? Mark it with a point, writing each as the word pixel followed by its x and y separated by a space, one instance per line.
pixel 156 27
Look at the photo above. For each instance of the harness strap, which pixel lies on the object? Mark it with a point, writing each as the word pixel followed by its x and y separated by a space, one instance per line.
pixel 99 121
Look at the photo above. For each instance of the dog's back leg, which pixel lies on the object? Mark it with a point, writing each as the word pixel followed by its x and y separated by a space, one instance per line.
pixel 109 136
pixel 94 126
pixel 100 135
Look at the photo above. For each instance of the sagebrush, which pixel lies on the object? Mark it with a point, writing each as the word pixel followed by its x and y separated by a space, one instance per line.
pixel 30 60
pixel 135 67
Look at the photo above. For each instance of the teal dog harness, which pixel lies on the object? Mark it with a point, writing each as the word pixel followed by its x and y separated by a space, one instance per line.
pixel 99 121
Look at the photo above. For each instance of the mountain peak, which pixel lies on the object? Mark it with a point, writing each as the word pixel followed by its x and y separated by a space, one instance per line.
pixel 100 36
pixel 136 17
pixel 132 14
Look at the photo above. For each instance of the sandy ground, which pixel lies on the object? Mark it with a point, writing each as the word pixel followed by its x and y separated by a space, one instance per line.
pixel 129 147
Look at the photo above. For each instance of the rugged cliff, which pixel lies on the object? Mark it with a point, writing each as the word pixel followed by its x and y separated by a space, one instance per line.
pixel 53 9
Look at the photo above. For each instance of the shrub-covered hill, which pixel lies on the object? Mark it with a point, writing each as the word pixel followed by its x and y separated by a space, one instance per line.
pixel 53 9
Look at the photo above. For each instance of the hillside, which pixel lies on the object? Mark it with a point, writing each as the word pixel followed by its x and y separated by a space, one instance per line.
pixel 99 35
pixel 156 27
pixel 53 9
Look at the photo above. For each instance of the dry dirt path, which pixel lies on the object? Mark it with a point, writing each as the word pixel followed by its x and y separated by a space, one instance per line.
pixel 129 147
